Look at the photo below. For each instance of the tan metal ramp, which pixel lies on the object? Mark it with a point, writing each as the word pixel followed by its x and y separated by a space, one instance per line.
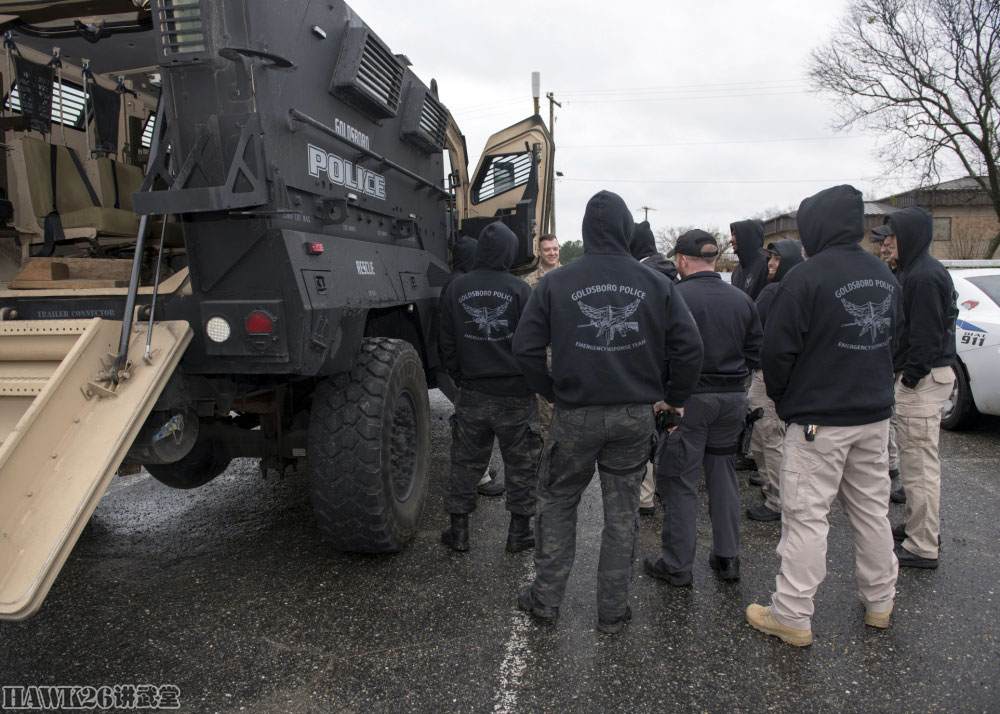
pixel 65 430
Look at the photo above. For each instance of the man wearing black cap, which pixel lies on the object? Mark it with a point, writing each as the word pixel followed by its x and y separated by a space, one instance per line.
pixel 827 361
pixel 925 353
pixel 769 431
pixel 615 328
pixel 713 416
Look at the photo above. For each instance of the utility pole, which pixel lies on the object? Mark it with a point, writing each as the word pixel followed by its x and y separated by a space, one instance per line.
pixel 536 89
pixel 646 210
pixel 552 160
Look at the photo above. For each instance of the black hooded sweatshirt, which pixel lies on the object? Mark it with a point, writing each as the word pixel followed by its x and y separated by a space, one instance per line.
pixel 479 314
pixel 615 326
pixel 750 275
pixel 827 356
pixel 790 252
pixel 463 257
pixel 643 248
pixel 927 337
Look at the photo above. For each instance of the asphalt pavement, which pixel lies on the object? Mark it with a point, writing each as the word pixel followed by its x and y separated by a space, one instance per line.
pixel 228 593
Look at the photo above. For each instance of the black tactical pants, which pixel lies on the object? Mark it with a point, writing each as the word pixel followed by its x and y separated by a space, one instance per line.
pixel 617 438
pixel 514 421
pixel 707 438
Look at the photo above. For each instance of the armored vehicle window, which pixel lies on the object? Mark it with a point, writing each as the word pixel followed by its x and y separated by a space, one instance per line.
pixel 67 105
pixel 503 173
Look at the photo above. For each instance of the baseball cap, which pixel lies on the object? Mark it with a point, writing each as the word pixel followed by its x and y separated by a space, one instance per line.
pixel 768 250
pixel 696 243
pixel 880 232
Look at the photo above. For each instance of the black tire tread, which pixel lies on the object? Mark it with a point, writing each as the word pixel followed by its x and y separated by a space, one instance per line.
pixel 965 414
pixel 350 502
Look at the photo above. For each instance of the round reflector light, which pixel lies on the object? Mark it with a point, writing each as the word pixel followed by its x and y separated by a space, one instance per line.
pixel 258 323
pixel 218 329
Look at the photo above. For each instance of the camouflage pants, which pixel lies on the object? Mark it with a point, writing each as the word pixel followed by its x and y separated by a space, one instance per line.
pixel 617 438
pixel 514 422
pixel 544 406
pixel 544 416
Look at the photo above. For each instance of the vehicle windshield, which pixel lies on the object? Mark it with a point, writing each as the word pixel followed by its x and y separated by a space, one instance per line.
pixel 989 284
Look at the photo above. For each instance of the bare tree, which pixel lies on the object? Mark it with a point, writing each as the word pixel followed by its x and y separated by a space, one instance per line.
pixel 969 237
pixel 926 75
pixel 666 238
pixel 773 211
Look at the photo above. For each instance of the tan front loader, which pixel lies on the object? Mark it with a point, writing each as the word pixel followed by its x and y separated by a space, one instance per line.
pixel 65 429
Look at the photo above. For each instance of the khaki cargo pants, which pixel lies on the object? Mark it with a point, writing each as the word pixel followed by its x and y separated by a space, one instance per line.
pixel 848 462
pixel 893 443
pixel 765 444
pixel 918 424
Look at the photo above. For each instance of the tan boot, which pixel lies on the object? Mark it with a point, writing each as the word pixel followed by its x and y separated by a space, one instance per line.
pixel 879 619
pixel 760 618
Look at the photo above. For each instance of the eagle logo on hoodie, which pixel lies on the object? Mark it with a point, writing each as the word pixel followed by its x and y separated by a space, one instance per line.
pixel 871 318
pixel 487 319
pixel 610 321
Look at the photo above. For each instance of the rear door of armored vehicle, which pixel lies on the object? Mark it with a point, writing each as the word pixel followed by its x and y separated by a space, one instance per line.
pixel 512 184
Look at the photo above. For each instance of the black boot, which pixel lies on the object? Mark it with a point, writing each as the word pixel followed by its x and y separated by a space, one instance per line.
pixel 519 535
pixel 456 536
pixel 896 495
pixel 727 568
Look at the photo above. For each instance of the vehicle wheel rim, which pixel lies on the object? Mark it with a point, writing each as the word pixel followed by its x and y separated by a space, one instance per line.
pixel 949 406
pixel 403 447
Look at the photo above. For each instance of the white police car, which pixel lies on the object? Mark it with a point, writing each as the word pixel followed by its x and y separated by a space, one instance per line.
pixel 977 339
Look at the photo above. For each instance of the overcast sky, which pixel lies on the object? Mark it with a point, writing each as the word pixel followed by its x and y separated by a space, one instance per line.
pixel 699 110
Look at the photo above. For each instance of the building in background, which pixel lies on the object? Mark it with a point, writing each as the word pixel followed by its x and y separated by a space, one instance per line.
pixel 964 220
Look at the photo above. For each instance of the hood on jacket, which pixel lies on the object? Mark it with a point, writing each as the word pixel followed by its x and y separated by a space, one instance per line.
pixel 607 225
pixel 790 252
pixel 914 229
pixel 834 216
pixel 496 247
pixel 749 238
pixel 463 254
pixel 643 244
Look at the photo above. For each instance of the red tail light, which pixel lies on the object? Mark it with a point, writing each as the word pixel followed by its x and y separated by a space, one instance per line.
pixel 259 323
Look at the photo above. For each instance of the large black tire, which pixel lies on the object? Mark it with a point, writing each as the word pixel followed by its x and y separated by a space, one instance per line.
pixel 960 411
pixel 206 460
pixel 369 449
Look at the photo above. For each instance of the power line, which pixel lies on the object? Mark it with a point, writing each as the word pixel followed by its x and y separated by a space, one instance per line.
pixel 681 98
pixel 668 87
pixel 589 95
pixel 714 181
pixel 486 112
pixel 563 147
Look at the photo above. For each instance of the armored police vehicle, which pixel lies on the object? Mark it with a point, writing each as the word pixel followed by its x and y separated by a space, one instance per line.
pixel 225 228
